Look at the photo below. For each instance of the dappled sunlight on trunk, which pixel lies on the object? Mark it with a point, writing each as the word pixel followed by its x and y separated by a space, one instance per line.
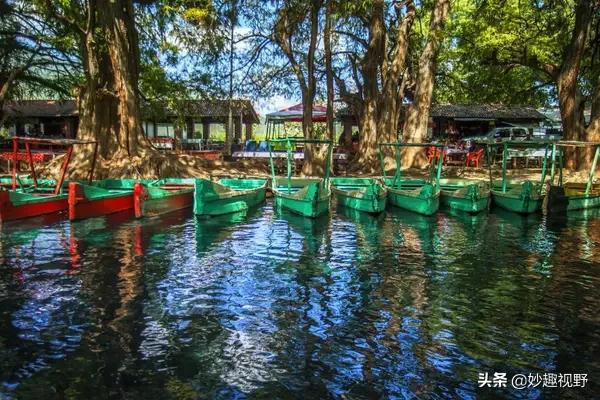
pixel 414 157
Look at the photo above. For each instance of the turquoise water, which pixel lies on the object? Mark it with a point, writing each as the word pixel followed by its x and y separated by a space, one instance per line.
pixel 271 305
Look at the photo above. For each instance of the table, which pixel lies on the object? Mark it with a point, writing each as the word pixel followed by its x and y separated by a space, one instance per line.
pixel 455 155
pixel 279 154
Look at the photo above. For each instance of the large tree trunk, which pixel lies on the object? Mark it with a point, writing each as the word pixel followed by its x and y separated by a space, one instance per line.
pixel 382 87
pixel 417 119
pixel 312 157
pixel 109 109
pixel 329 69
pixel 569 96
pixel 368 114
pixel 287 23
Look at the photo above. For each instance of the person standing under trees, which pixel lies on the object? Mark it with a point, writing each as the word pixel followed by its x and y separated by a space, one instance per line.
pixel 452 134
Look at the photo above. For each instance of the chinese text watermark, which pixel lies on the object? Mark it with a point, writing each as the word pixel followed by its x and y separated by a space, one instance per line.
pixel 523 381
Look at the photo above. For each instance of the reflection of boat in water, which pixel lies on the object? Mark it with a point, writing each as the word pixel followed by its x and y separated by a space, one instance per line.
pixel 364 219
pixel 467 219
pixel 522 222
pixel 302 225
pixel 215 229
pixel 367 231
pixel 99 230
pixel 25 231
pixel 299 240
pixel 413 230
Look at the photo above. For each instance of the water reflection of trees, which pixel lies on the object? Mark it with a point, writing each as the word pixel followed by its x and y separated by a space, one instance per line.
pixel 350 305
pixel 41 320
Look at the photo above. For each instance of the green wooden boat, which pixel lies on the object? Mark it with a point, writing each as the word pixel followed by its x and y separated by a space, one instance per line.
pixel 418 195
pixel 157 197
pixel 227 195
pixel 572 196
pixel 522 197
pixel 308 197
pixel 415 195
pixel 465 195
pixel 363 194
pixel 24 182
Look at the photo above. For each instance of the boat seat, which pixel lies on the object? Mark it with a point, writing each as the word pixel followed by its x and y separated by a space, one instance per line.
pixel 578 189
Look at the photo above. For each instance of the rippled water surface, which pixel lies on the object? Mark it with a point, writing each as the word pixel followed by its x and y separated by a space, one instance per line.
pixel 271 305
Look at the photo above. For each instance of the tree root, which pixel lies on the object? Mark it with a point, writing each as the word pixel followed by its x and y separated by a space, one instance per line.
pixel 152 166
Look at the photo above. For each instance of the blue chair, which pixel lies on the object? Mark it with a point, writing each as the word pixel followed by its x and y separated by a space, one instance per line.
pixel 263 146
pixel 251 145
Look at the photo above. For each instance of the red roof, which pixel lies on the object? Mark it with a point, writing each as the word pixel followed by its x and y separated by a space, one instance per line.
pixel 294 113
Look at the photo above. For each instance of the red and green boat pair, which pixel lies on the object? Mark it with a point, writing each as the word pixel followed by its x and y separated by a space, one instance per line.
pixel 30 197
pixel 146 198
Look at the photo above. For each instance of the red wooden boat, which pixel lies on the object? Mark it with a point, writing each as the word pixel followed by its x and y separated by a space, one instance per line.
pixel 100 198
pixel 15 205
pixel 26 198
pixel 152 198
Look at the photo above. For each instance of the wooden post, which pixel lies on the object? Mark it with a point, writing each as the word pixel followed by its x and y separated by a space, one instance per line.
pixel 205 130
pixel 189 127
pixel 249 131
pixel 504 158
pixel 348 133
pixel 178 137
pixel 237 123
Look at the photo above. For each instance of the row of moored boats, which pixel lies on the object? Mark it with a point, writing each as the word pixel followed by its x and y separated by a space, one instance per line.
pixel 310 197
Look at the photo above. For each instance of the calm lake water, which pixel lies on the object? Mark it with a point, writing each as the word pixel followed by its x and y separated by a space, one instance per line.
pixel 271 305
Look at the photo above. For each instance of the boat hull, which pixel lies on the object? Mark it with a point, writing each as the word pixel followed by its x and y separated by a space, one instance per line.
pixel 159 197
pixel 307 197
pixel 227 196
pixel 523 198
pixel 571 197
pixel 87 201
pixel 362 194
pixel 306 208
pixel 583 202
pixel 421 198
pixel 34 206
pixel 466 196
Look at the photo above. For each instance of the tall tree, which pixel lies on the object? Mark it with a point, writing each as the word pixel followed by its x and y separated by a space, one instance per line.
pixel 554 40
pixel 290 18
pixel 108 101
pixel 109 98
pixel 378 73
pixel 329 69
pixel 417 116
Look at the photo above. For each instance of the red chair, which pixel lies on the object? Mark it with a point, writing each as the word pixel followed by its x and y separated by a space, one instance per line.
pixel 430 154
pixel 434 153
pixel 474 157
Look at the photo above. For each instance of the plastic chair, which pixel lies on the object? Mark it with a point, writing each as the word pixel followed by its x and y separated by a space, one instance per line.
pixel 474 157
pixel 262 146
pixel 431 154
pixel 251 145
pixel 435 154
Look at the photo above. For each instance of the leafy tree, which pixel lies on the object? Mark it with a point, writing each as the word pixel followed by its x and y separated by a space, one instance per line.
pixel 551 41
pixel 35 56
pixel 109 97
